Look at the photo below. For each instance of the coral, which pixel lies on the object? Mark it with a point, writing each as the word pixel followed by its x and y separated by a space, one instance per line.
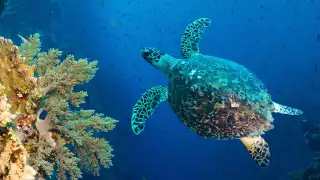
pixel 311 173
pixel 67 163
pixel 312 138
pixel 15 76
pixel 39 125
pixel 29 50
pixel 79 127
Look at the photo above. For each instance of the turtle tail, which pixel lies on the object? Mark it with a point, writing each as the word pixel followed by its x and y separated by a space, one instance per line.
pixel 145 107
pixel 282 109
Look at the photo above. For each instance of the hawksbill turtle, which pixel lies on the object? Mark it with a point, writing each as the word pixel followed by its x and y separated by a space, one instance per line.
pixel 215 97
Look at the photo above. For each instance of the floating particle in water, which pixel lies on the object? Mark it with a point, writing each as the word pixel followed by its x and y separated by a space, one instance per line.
pixel 279 92
pixel 102 2
pixel 313 82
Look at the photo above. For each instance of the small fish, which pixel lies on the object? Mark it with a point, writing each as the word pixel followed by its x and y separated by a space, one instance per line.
pixel 56 131
pixel 318 37
pixel 24 38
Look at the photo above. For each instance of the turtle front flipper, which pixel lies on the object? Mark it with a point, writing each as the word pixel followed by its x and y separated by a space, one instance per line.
pixel 258 149
pixel 282 109
pixel 192 36
pixel 146 105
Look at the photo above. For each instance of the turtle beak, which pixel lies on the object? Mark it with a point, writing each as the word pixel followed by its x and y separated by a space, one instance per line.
pixel 152 55
pixel 145 52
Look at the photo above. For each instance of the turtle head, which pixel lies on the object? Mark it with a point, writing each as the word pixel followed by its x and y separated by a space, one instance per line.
pixel 159 59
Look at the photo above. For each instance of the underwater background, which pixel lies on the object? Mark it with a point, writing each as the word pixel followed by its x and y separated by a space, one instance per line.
pixel 277 40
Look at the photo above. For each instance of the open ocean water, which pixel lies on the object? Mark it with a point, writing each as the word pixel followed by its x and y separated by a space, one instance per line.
pixel 279 41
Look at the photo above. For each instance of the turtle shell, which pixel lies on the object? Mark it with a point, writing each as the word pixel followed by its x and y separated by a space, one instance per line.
pixel 219 98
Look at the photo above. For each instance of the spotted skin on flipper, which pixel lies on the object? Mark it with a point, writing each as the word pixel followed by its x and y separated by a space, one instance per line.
pixel 259 150
pixel 192 36
pixel 146 105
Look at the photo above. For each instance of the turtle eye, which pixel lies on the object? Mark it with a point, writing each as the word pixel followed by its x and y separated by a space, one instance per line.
pixel 146 54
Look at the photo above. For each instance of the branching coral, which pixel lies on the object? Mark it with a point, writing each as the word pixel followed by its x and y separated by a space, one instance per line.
pixel 79 128
pixel 15 76
pixel 33 145
pixel 29 50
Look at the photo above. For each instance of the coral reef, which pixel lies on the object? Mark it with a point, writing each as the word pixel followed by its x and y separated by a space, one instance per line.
pixel 310 173
pixel 42 134
pixel 312 139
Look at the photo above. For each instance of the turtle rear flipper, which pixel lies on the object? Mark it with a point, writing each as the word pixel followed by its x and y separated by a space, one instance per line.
pixel 192 36
pixel 145 107
pixel 282 109
pixel 258 148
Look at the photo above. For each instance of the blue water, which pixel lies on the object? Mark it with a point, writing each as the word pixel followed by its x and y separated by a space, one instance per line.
pixel 277 40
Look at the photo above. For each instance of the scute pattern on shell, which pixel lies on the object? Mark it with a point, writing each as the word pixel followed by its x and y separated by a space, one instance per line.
pixel 219 99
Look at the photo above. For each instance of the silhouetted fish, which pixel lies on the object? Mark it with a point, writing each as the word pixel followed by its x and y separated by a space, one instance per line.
pixel 56 131
pixel 24 38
